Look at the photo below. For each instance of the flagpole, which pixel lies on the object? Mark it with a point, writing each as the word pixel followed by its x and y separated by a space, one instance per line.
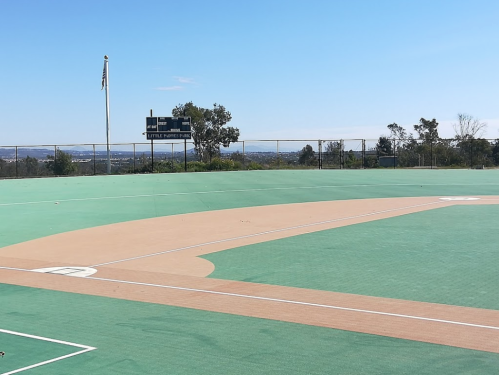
pixel 108 132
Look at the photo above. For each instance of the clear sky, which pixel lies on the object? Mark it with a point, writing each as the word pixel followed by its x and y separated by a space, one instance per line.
pixel 285 69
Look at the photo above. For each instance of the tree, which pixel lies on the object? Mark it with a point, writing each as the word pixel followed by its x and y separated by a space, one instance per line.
pixel 384 146
pixel 208 128
pixel 31 165
pixel 307 156
pixel 427 130
pixel 62 164
pixel 399 134
pixel 468 127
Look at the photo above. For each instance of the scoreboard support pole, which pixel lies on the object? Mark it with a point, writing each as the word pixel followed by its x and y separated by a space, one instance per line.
pixel 185 155
pixel 152 152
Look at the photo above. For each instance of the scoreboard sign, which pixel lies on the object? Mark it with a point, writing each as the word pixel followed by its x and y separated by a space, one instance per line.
pixel 168 127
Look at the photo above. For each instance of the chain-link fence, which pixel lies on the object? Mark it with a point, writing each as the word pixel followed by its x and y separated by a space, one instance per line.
pixel 167 157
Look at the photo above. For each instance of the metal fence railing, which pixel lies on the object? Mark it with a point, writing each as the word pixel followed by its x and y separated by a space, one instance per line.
pixel 164 157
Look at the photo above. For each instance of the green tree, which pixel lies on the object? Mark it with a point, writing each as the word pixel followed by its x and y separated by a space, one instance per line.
pixel 307 156
pixel 209 130
pixel 62 164
pixel 427 130
pixel 31 165
pixel 384 146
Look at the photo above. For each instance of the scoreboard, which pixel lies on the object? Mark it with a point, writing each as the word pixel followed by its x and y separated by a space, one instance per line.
pixel 168 127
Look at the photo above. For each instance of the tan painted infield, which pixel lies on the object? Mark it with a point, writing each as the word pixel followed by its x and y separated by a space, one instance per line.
pixel 123 252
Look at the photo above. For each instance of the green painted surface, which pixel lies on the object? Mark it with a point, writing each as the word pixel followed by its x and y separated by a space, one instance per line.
pixel 139 338
pixel 22 352
pixel 28 209
pixel 447 255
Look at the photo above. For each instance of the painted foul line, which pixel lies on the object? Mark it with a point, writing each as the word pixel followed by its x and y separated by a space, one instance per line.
pixel 247 296
pixel 265 233
pixel 225 191
pixel 297 303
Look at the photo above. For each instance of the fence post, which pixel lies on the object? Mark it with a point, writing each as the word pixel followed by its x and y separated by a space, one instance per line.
pixel 394 153
pixel 431 153
pixel 278 160
pixel 319 146
pixel 342 154
pixel 244 156
pixel 134 171
pixel 363 154
pixel 17 173
pixel 95 169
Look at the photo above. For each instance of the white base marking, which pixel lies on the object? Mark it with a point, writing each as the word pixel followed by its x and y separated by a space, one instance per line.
pixel 266 232
pixel 68 271
pixel 374 312
pixel 85 348
pixel 459 198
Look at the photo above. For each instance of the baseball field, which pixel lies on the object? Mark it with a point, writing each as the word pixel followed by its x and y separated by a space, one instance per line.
pixel 251 272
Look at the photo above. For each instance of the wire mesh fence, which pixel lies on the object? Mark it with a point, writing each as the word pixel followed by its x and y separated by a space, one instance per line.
pixel 169 157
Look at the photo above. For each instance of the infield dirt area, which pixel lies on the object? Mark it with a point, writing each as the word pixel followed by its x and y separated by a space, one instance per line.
pixel 157 261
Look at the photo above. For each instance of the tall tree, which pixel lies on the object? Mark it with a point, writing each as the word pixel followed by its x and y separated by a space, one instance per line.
pixel 427 130
pixel 62 164
pixel 384 146
pixel 209 132
pixel 468 127
pixel 307 156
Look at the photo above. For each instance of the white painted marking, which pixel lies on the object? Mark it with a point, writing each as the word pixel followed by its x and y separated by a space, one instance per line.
pixel 459 198
pixel 297 303
pixel 374 312
pixel 68 271
pixel 85 348
pixel 264 233
pixel 232 191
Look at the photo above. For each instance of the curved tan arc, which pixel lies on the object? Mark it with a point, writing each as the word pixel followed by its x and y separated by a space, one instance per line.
pixel 156 261
pixel 172 244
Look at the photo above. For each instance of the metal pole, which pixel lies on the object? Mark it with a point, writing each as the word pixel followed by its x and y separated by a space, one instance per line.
pixel 185 155
pixel 278 161
pixel 105 76
pixel 94 159
pixel 17 173
pixel 134 171
pixel 431 154
pixel 152 156
pixel 173 159
pixel 319 145
pixel 363 154
pixel 394 153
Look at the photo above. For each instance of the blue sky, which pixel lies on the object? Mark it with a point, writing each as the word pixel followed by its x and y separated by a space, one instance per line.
pixel 286 69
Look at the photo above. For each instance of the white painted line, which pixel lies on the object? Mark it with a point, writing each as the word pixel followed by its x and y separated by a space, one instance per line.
pixel 46 362
pixel 44 338
pixel 265 233
pixel 231 191
pixel 296 303
pixel 459 198
pixel 85 348
pixel 374 312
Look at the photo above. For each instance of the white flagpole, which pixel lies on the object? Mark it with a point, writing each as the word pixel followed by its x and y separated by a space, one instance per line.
pixel 108 132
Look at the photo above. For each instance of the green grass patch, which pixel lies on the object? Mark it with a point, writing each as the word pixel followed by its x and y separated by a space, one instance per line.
pixel 141 338
pixel 447 255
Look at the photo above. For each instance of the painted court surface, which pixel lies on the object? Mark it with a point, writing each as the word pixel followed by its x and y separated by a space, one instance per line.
pixel 251 272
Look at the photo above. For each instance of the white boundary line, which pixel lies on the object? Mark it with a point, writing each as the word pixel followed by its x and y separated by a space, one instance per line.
pixel 229 191
pixel 374 312
pixel 267 232
pixel 85 348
